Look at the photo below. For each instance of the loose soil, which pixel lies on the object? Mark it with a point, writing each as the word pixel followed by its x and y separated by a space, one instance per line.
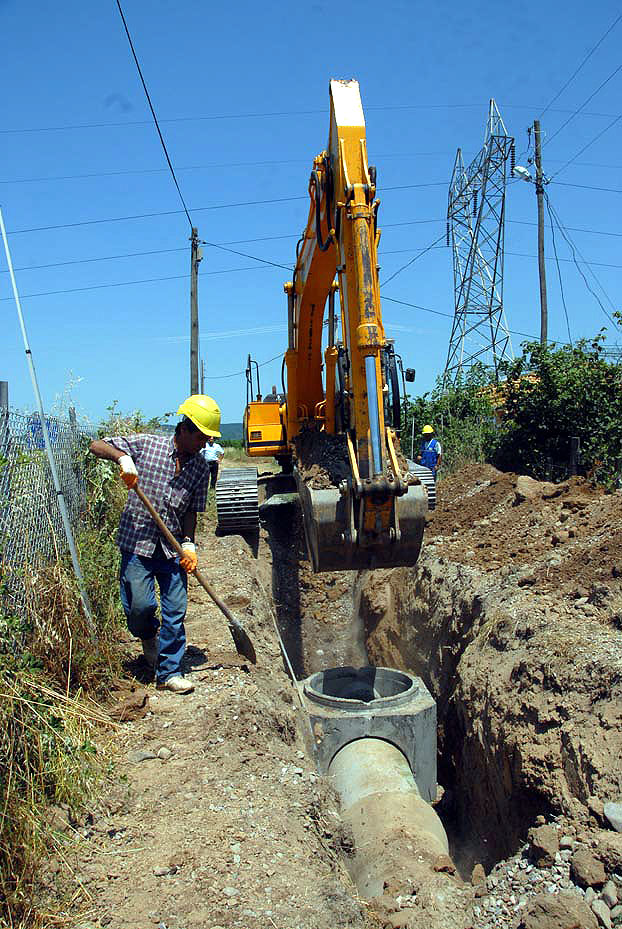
pixel 214 815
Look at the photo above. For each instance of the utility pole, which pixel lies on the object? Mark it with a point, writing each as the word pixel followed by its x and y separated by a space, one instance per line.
pixel 544 317
pixel 195 258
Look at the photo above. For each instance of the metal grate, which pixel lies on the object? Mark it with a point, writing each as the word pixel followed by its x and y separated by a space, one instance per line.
pixel 31 529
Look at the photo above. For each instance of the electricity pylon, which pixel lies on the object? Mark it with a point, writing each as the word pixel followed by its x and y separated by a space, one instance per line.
pixel 475 224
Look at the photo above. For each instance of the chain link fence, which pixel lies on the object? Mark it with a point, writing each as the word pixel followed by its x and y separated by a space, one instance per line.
pixel 31 529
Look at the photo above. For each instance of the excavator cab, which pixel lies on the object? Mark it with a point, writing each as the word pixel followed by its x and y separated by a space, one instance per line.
pixel 263 430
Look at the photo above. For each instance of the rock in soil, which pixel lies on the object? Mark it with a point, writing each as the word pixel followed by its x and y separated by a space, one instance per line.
pixel 562 911
pixel 586 870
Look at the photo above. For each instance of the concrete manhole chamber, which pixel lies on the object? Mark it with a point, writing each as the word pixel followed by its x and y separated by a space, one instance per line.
pixel 347 704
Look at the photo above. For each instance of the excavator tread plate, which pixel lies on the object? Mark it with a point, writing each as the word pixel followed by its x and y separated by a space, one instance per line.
pixel 426 476
pixel 237 500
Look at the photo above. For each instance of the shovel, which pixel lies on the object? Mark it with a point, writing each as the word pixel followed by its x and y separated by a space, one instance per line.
pixel 241 639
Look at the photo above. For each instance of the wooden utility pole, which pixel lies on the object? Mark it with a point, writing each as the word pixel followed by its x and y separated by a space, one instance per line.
pixel 195 258
pixel 544 316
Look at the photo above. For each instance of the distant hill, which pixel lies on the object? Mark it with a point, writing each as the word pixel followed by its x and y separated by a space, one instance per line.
pixel 231 430
pixel 228 430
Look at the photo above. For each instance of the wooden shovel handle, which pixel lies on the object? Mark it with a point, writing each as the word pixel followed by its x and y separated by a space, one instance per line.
pixel 172 541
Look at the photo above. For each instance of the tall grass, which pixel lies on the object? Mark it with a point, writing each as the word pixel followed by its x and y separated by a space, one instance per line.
pixel 49 725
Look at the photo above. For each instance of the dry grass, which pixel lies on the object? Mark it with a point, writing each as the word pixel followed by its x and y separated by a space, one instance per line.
pixel 48 759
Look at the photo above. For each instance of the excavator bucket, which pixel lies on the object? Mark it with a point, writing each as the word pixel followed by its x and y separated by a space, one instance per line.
pixel 331 538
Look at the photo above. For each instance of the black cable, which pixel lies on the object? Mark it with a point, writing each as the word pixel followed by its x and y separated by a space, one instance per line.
pixel 412 260
pixel 196 209
pixel 148 280
pixel 233 251
pixel 585 102
pixel 559 273
pixel 153 113
pixel 576 71
pixel 609 190
pixel 427 309
pixel 588 145
pixel 220 377
pixel 575 251
pixel 225 116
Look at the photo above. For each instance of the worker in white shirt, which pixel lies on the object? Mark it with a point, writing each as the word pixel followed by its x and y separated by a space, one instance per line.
pixel 213 454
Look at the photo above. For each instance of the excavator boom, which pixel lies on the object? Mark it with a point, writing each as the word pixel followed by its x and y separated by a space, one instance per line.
pixel 363 509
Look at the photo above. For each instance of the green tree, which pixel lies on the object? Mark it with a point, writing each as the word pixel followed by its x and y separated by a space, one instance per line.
pixel 552 394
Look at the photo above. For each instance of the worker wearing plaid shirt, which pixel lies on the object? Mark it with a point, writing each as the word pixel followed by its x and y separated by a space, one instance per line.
pixel 175 477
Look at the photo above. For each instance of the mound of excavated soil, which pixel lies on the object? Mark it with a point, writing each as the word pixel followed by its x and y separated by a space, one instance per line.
pixel 512 616
pixel 568 535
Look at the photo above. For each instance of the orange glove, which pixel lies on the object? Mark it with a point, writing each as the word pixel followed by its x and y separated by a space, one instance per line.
pixel 189 559
pixel 129 474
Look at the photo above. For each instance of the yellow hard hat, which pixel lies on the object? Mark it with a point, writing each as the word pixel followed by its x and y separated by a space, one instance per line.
pixel 204 413
pixel 427 430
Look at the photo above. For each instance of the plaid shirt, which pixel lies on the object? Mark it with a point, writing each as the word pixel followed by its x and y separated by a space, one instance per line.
pixel 173 495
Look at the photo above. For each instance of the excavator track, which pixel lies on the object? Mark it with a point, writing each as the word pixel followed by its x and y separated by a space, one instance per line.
pixel 237 500
pixel 426 476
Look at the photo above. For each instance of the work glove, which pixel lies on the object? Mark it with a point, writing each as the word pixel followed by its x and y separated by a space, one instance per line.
pixel 189 559
pixel 129 474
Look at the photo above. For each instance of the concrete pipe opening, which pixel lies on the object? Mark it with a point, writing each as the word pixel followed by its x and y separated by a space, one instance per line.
pixel 348 687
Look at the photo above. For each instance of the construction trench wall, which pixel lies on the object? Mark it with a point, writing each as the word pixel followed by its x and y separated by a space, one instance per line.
pixel 528 704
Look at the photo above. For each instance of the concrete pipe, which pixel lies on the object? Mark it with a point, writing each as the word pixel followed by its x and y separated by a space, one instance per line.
pixel 397 835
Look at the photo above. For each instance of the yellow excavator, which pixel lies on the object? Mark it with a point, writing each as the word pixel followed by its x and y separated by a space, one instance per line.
pixel 334 426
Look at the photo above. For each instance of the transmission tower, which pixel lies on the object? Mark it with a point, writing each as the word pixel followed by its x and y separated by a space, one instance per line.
pixel 475 224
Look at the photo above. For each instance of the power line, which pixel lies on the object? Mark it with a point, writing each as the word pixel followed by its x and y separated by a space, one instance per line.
pixel 220 377
pixel 584 61
pixel 148 280
pixel 559 273
pixel 203 167
pixel 575 251
pixel 427 309
pixel 279 115
pixel 202 209
pixel 585 102
pixel 153 113
pixel 412 260
pixel 588 145
pixel 609 190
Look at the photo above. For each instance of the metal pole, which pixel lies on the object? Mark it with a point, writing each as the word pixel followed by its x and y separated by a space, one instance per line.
pixel 195 258
pixel 62 505
pixel 541 267
pixel 202 376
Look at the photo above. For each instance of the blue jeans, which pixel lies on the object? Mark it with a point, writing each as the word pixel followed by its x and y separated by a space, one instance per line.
pixel 138 576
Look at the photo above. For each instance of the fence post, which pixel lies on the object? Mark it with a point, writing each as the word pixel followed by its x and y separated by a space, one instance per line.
pixel 4 418
pixel 575 452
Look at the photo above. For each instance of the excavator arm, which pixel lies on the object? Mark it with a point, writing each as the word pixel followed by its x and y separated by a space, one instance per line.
pixel 373 514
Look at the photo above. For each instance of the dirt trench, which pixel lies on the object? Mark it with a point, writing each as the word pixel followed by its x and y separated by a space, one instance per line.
pixel 512 619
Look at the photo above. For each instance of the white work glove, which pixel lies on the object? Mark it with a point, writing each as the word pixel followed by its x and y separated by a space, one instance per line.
pixel 189 559
pixel 129 474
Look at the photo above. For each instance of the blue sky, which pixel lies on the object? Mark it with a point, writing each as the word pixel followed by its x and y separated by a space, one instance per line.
pixel 242 94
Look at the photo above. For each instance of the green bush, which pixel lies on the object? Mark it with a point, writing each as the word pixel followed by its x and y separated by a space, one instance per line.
pixel 552 394
pixel 463 417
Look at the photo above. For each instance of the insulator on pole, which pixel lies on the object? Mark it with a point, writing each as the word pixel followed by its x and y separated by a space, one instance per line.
pixel 447 234
pixel 475 202
pixel 512 158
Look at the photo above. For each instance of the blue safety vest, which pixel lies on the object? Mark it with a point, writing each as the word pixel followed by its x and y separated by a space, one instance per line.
pixel 429 453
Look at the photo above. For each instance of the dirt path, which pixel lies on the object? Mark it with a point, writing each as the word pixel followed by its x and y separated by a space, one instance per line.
pixel 216 817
